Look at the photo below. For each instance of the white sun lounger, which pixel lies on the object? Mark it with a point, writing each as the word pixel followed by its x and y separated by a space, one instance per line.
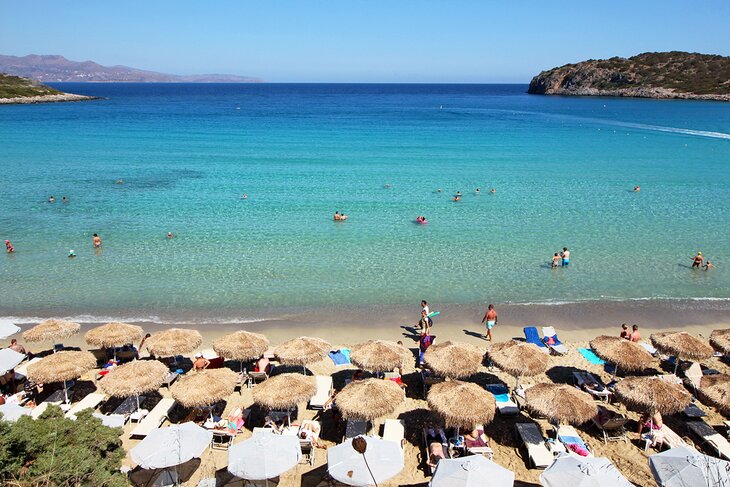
pixel 324 391
pixel 537 453
pixel 394 430
pixel 111 420
pixel 709 435
pixel 649 348
pixel 693 373
pixel 154 418
pixel 559 349
pixel 23 369
pixel 39 409
pixel 505 408
pixel 89 402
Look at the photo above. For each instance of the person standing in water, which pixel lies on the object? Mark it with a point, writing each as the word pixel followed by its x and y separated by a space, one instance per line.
pixel 565 254
pixel 491 318
pixel 556 260
pixel 698 261
pixel 9 247
pixel 97 241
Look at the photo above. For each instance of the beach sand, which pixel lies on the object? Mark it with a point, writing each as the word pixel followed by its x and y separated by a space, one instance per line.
pixel 576 324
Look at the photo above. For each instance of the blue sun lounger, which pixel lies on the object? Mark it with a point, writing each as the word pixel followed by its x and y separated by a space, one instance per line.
pixel 531 336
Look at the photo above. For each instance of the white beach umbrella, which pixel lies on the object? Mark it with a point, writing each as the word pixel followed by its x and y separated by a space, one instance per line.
pixel 471 471
pixel 13 412
pixel 8 328
pixel 167 447
pixel 684 466
pixel 382 460
pixel 583 472
pixel 264 456
pixel 9 359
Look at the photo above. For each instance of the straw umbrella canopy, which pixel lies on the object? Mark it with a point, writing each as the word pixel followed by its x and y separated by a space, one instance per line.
pixel 561 403
pixel 369 399
pixel 623 353
pixel 51 330
pixel 681 345
pixel 720 339
pixel 113 335
pixel 61 367
pixel 134 378
pixel 715 389
pixel 284 391
pixel 461 404
pixel 174 341
pixel 241 345
pixel 204 388
pixel 653 395
pixel 454 360
pixel 378 355
pixel 518 359
pixel 302 351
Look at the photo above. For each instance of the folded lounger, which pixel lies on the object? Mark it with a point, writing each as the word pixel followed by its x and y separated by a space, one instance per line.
pixel 550 338
pixel 324 392
pixel 505 405
pixel 531 336
pixel 537 453
pixel 154 418
pixel 89 402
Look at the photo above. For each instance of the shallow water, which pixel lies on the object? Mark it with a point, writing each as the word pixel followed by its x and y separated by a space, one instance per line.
pixel 563 169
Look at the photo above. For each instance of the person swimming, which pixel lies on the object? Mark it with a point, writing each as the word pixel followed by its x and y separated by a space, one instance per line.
pixel 709 265
pixel 457 198
pixel 51 199
pixel 337 216
pixel 244 197
pixel 10 249
pixel 421 219
pixel 170 235
pixel 493 191
pixel 71 254
pixel 343 217
pixel 477 191
pixel 64 200
pixel 439 190
pixel 637 189
pixel 97 241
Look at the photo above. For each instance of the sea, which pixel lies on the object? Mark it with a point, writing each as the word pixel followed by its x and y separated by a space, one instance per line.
pixel 148 159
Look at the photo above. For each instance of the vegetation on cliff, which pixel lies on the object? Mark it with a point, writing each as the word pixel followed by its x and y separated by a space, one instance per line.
pixel 652 74
pixel 15 86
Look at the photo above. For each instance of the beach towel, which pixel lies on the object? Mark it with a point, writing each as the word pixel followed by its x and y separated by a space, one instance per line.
pixel 590 356
pixel 531 336
pixel 341 356
pixel 500 393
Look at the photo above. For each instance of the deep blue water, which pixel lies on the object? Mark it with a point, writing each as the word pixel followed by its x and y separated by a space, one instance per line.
pixel 563 168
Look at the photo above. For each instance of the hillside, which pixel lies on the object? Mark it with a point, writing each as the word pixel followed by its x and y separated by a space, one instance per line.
pixel 649 75
pixel 14 89
pixel 60 69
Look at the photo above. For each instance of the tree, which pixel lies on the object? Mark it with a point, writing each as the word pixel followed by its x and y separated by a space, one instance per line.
pixel 57 451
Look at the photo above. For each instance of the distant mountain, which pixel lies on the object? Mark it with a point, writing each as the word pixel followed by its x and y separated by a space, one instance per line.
pixel 59 69
pixel 649 75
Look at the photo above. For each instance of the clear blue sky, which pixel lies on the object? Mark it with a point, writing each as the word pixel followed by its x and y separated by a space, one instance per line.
pixel 363 40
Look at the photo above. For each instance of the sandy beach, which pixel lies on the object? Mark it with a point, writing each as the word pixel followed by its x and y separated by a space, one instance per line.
pixel 576 325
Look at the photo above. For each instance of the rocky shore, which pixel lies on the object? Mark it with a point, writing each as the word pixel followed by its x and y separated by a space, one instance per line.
pixel 658 93
pixel 57 98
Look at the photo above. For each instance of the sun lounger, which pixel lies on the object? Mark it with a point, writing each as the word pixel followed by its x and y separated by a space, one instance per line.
pixel 91 401
pixel 394 430
pixel 23 369
pixel 661 438
pixel 591 384
pixel 550 338
pixel 39 409
pixel 111 420
pixel 441 438
pixel 324 392
pixel 356 427
pixel 170 378
pixel 574 444
pixel 480 446
pixel 530 436
pixel 505 405
pixel 306 444
pixel 611 425
pixel 154 418
pixel 531 336
pixel 128 406
pixel 693 376
pixel 649 349
pixel 428 379
pixel 254 377
pixel 709 435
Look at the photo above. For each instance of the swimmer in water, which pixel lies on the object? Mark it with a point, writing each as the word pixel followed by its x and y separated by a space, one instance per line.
pixel 244 197
pixel 457 198
pixel 9 247
pixel 337 216
pixel 458 193
pixel 51 199
pixel 493 191
pixel 343 217
pixel 709 265
pixel 170 235
pixel 698 261
pixel 477 191
pixel 97 241
pixel 120 181
pixel 387 185
pixel 439 190
pixel 71 254
pixel 637 189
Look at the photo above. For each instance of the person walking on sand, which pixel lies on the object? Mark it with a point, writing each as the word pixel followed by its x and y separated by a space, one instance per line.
pixel 565 254
pixel 97 241
pixel 424 306
pixel 491 318
pixel 635 335
pixel 698 261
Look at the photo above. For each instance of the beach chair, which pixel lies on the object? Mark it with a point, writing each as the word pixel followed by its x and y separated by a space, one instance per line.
pixel 692 376
pixel 23 369
pixel 530 436
pixel 356 427
pixel 154 418
pixel 663 437
pixel 444 445
pixel 128 407
pixel 611 425
pixel 550 338
pixel 111 420
pixel 592 385
pixel 324 392
pixel 91 401
pixel 480 446
pixel 428 379
pixel 505 405
pixel 170 379
pixel 568 436
pixel 649 349
pixel 395 430
pixel 307 446
pixel 254 377
pixel 39 409
pixel 531 336
pixel 711 437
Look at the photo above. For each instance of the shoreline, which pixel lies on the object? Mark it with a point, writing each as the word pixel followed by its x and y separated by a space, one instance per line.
pixel 59 98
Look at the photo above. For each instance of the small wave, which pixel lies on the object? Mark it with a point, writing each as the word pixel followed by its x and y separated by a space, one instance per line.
pixel 556 302
pixel 90 319
pixel 675 130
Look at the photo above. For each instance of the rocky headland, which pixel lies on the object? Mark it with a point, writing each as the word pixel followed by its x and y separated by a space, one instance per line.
pixel 666 75
pixel 17 90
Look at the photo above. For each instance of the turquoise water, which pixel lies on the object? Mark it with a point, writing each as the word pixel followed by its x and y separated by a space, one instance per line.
pixel 563 169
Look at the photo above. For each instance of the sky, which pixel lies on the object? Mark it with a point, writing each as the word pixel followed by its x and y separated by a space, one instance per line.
pixel 427 41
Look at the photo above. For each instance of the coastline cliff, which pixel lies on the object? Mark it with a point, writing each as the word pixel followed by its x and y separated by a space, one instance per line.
pixel 17 90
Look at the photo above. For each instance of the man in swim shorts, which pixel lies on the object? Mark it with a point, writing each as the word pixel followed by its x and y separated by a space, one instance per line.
pixel 97 241
pixel 566 256
pixel 491 318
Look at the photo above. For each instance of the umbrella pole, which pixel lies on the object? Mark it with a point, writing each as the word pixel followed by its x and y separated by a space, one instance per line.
pixel 137 396
pixel 65 391
pixel 676 364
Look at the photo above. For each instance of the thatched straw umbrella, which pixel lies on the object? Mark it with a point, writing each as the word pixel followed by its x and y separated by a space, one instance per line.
pixel 302 351
pixel 454 360
pixel 518 359
pixel 61 367
pixel 134 378
pixel 175 341
pixel 561 403
pixel 51 330
pixel 378 355
pixel 720 339
pixel 200 389
pixel 653 395
pixel 113 335
pixel 682 345
pixel 241 345
pixel 462 404
pixel 622 353
pixel 715 389
pixel 369 399
pixel 284 391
